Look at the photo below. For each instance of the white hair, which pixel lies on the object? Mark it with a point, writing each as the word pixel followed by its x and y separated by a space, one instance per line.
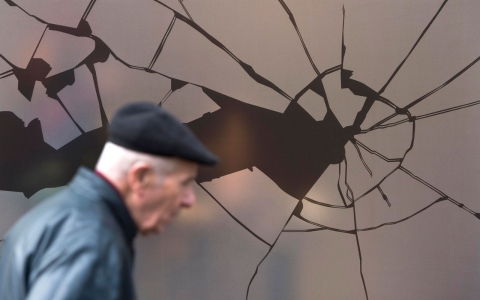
pixel 115 161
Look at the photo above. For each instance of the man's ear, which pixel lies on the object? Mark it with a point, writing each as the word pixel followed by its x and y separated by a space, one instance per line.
pixel 139 176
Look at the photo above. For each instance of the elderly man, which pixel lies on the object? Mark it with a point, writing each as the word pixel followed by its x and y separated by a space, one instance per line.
pixel 78 243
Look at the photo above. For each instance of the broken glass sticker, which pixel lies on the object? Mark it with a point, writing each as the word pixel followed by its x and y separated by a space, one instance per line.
pixel 379 111
pixel 48 10
pixel 241 195
pixel 59 130
pixel 313 104
pixel 461 93
pixel 340 97
pixel 19 33
pixel 62 51
pixel 381 140
pixel 285 277
pixel 448 60
pixel 133 30
pixel 336 140
pixel 128 85
pixel 80 99
pixel 194 243
pixel 5 69
pixel 13 100
pixel 189 103
pixel 191 57
pixel 28 164
pixel 407 198
pixel 378 38
pixel 334 219
pixel 320 29
pixel 323 191
pixel 276 33
pixel 437 139
pixel 415 268
pixel 177 6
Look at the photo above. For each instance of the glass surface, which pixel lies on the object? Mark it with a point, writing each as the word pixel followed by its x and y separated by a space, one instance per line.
pixel 347 132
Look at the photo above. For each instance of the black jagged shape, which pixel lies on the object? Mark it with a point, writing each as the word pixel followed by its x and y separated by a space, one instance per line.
pixel 25 159
pixel 83 29
pixel 37 69
pixel 269 143
pixel 58 82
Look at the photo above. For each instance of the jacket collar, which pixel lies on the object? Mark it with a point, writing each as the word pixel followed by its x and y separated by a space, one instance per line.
pixel 97 188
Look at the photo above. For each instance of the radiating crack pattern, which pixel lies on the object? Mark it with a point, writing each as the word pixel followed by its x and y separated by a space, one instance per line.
pixel 286 143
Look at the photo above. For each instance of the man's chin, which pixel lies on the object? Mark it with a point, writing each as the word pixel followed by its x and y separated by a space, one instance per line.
pixel 151 231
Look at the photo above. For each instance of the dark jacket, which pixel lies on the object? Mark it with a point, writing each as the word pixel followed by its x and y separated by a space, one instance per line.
pixel 75 245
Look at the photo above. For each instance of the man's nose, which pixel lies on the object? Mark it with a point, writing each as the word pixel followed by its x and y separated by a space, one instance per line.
pixel 189 198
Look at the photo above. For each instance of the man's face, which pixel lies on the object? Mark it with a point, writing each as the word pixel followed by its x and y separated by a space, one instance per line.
pixel 163 198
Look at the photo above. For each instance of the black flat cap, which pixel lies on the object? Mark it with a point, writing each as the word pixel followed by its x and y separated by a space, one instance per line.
pixel 145 127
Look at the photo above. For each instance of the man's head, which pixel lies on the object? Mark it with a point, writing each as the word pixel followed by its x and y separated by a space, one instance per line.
pixel 154 189
pixel 152 159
